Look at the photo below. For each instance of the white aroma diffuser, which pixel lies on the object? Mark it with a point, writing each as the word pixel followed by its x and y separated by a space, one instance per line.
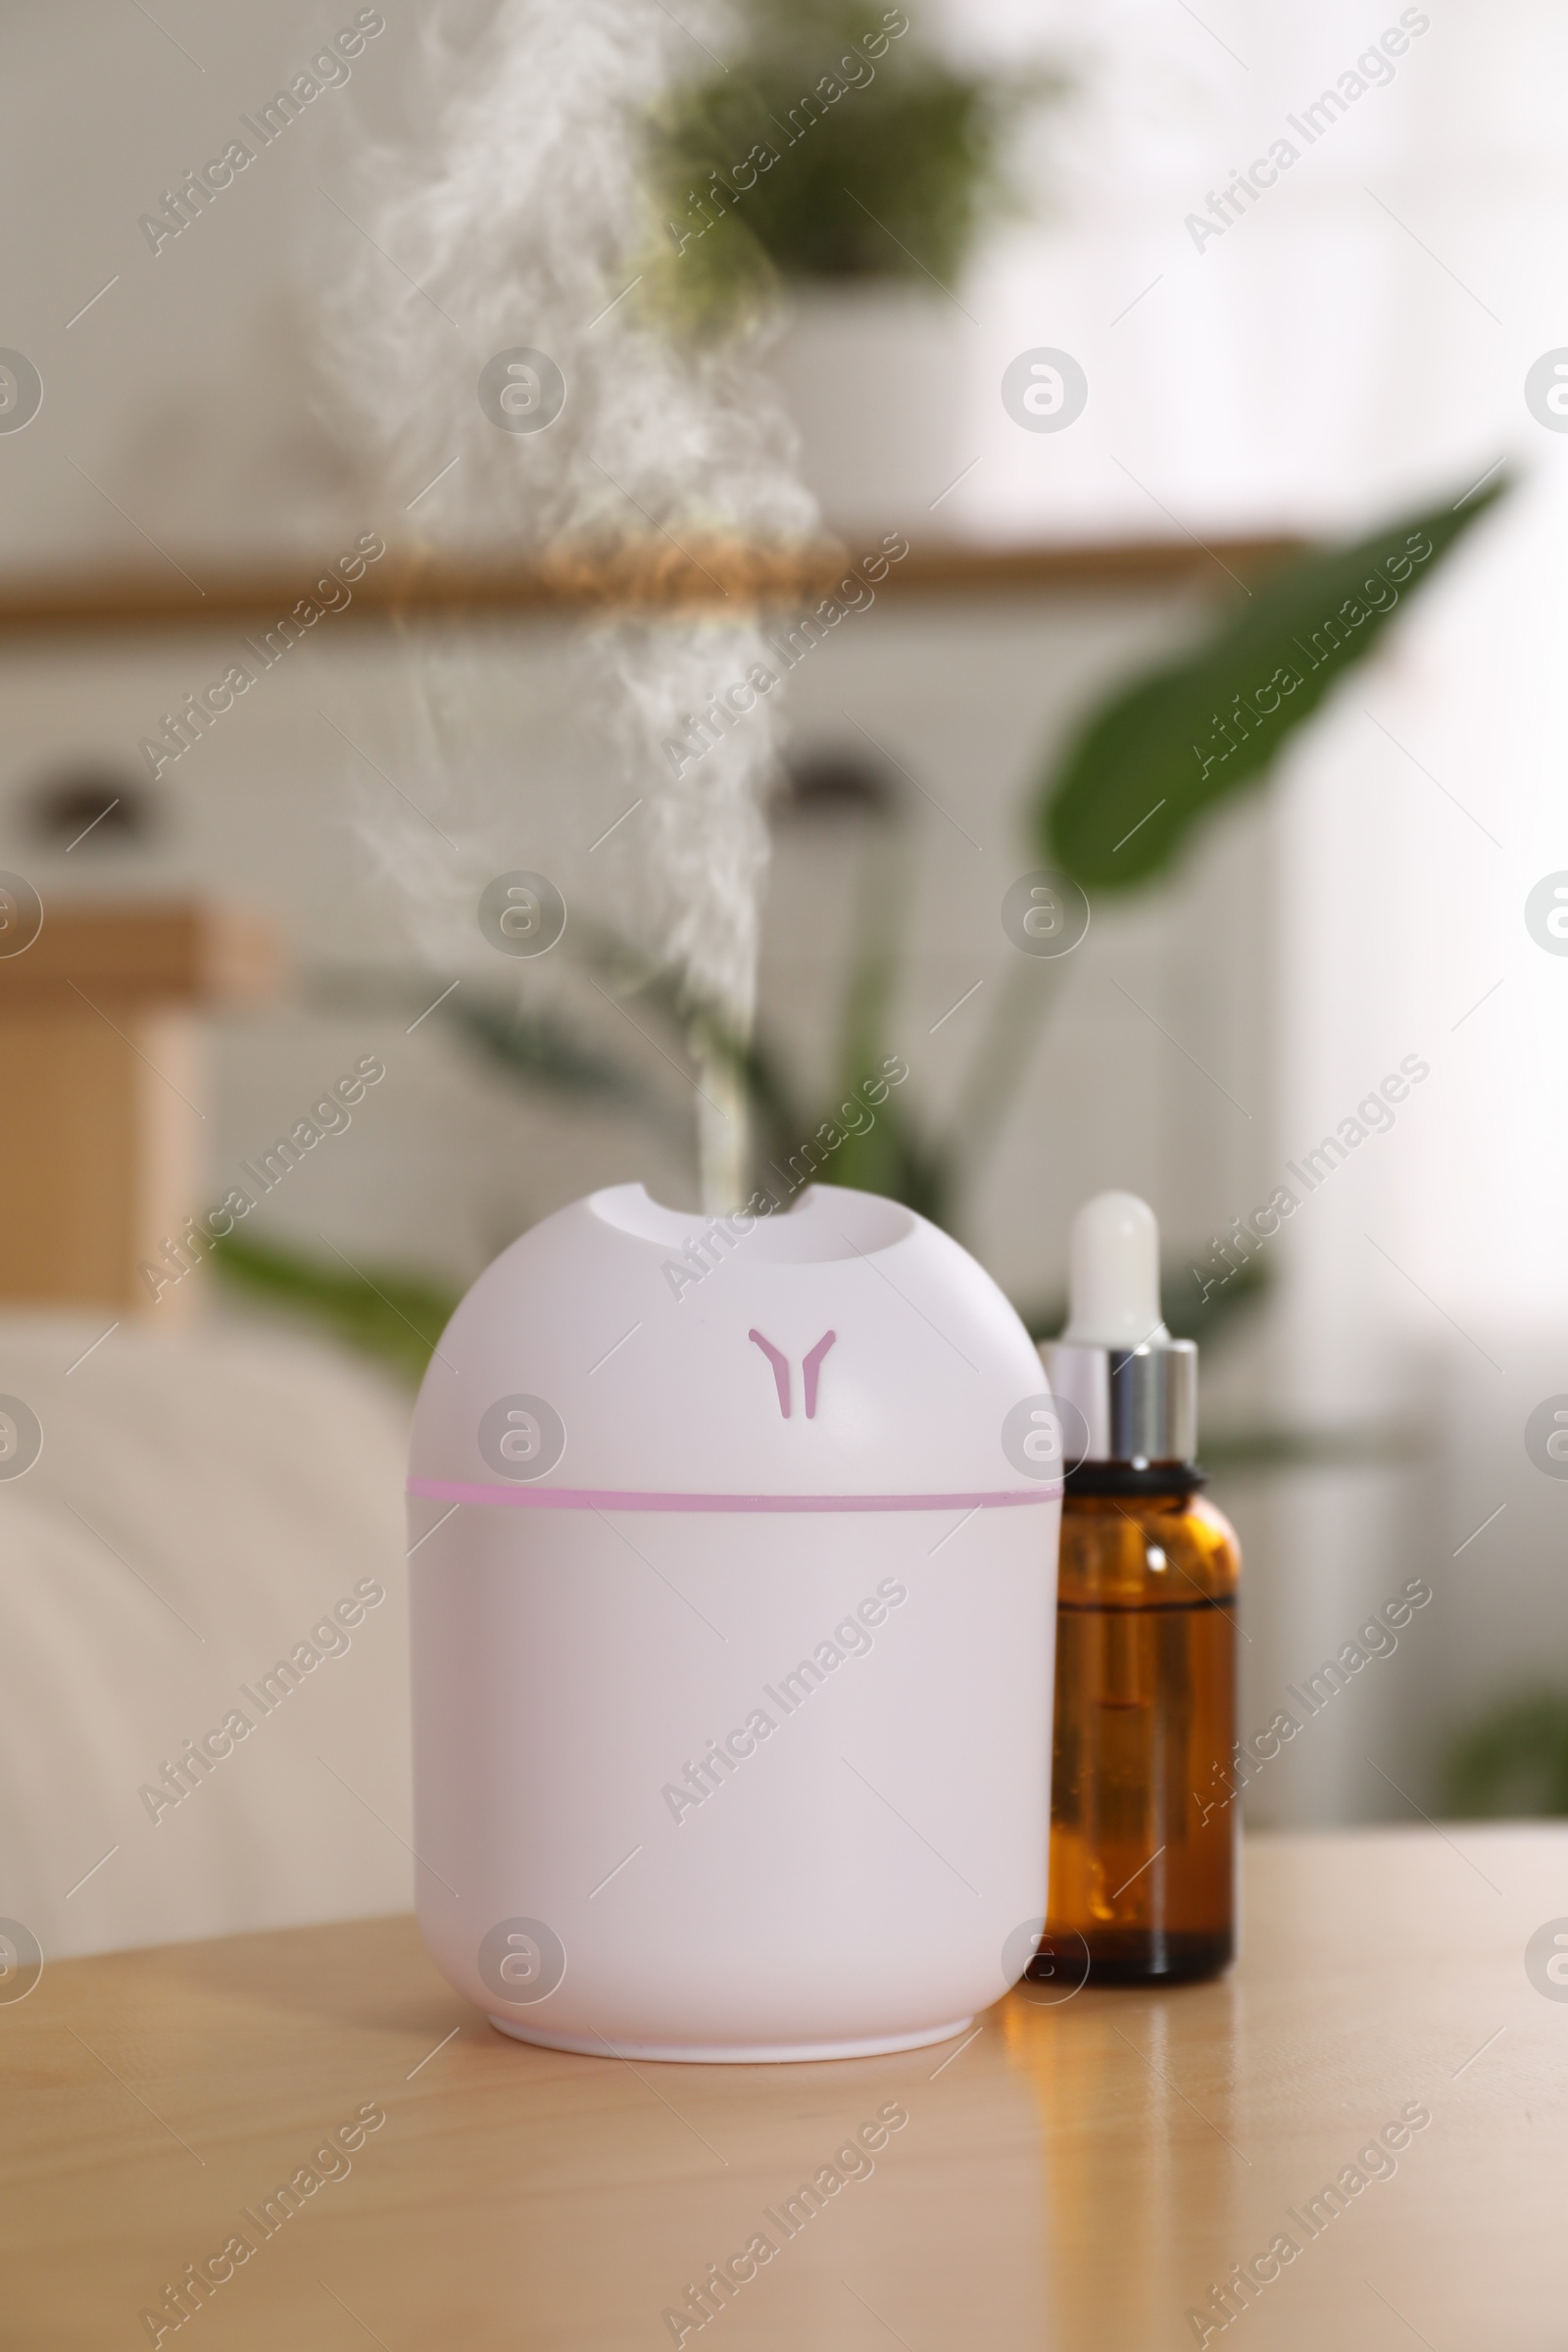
pixel 732 1663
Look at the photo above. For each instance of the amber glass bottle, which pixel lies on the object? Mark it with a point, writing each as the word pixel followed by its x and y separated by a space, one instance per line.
pixel 1143 1819
pixel 1143 1832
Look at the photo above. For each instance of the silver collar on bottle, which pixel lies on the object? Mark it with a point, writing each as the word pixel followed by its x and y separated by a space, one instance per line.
pixel 1139 1405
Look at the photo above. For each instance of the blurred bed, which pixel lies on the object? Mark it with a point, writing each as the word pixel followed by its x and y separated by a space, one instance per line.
pixel 203 1712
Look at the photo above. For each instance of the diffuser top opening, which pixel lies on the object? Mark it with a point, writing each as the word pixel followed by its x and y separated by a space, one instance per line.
pixel 827 1222
pixel 838 1347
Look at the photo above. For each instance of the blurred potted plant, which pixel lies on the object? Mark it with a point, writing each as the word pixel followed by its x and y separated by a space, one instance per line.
pixel 1127 782
pixel 843 168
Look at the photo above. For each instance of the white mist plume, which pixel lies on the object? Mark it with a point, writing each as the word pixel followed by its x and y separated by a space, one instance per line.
pixel 517 213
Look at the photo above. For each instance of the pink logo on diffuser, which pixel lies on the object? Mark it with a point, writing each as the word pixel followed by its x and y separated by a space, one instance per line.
pixel 811 1370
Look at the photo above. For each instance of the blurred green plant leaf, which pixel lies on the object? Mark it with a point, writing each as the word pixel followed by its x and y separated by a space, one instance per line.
pixel 1513 1761
pixel 883 1147
pixel 1206 1317
pixel 541 1049
pixel 531 1047
pixel 1153 761
pixel 895 1158
pixel 395 1317
pixel 702 1031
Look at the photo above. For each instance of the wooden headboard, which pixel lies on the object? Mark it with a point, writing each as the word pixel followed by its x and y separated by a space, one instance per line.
pixel 102 1090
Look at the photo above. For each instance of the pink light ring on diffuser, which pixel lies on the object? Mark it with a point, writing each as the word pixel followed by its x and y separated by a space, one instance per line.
pixel 613 1498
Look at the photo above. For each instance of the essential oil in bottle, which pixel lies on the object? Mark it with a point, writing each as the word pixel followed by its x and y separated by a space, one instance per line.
pixel 1144 1834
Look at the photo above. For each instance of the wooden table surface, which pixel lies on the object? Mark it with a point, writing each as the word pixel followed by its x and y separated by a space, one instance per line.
pixel 1079 2173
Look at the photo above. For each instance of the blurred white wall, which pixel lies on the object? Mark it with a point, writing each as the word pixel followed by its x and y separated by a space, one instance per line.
pixel 182 409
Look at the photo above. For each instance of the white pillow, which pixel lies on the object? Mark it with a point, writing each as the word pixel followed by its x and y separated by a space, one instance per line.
pixel 206 1507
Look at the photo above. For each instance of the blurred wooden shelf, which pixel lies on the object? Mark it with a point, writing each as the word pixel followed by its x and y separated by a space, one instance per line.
pixel 410 587
pixel 143 951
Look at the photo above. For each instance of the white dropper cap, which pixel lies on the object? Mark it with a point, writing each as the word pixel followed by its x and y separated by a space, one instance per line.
pixel 1113 1274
